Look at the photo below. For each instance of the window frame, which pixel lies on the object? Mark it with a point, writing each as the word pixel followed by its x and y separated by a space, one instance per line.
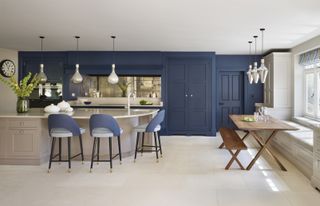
pixel 312 69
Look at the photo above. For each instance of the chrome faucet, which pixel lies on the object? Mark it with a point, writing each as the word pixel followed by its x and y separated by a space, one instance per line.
pixel 129 95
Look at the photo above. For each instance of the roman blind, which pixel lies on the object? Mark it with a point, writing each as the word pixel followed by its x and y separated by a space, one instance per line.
pixel 310 57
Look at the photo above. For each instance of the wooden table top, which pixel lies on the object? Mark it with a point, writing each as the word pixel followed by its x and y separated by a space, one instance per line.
pixel 271 124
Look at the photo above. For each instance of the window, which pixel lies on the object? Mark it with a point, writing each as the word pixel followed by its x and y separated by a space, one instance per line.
pixel 312 91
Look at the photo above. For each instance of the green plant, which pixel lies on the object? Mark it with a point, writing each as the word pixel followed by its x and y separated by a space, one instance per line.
pixel 24 87
pixel 123 85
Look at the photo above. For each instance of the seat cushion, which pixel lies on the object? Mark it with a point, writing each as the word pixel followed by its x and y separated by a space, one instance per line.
pixel 142 128
pixel 103 132
pixel 303 136
pixel 60 132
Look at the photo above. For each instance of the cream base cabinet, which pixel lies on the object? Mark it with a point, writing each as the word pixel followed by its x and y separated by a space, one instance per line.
pixel 315 180
pixel 278 85
pixel 23 141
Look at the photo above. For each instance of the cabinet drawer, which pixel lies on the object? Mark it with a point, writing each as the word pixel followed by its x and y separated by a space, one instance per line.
pixel 23 124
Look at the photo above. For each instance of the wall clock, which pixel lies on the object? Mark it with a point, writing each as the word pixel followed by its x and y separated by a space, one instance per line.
pixel 7 68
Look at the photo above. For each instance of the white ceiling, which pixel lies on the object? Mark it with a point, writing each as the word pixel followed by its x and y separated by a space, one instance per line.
pixel 223 26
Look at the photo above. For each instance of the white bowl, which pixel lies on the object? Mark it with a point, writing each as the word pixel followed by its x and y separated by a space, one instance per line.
pixel 52 109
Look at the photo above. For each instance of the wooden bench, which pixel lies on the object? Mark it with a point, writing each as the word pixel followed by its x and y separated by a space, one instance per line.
pixel 232 141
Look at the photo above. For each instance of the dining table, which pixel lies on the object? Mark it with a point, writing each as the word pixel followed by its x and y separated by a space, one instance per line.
pixel 254 128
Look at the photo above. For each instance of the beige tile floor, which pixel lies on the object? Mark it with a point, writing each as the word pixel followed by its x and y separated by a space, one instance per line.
pixel 190 173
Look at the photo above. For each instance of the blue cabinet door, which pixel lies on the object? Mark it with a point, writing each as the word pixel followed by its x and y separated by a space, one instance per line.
pixel 230 97
pixel 189 96
pixel 198 104
pixel 177 92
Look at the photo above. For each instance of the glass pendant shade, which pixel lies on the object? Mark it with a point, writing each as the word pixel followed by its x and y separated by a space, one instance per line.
pixel 113 77
pixel 249 74
pixel 77 78
pixel 41 75
pixel 263 72
pixel 255 73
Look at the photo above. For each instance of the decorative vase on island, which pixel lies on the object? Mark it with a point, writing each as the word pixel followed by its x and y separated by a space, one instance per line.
pixel 23 104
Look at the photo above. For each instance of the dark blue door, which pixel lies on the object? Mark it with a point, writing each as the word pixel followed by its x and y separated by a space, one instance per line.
pixel 230 97
pixel 189 96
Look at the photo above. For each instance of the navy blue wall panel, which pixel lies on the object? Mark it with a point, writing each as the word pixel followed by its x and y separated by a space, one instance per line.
pixel 58 64
pixel 253 93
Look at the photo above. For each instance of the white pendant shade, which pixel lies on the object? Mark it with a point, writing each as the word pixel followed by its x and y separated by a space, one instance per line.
pixel 42 76
pixel 263 72
pixel 77 78
pixel 255 73
pixel 249 74
pixel 113 77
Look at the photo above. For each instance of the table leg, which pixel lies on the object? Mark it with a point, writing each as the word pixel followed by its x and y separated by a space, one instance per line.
pixel 263 147
pixel 256 137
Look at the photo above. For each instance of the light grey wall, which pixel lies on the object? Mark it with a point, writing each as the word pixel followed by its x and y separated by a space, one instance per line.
pixel 7 97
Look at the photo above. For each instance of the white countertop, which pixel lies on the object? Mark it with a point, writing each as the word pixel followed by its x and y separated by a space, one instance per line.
pixel 114 105
pixel 83 113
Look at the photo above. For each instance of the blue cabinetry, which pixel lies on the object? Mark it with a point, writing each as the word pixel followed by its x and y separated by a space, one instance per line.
pixel 189 93
pixel 54 64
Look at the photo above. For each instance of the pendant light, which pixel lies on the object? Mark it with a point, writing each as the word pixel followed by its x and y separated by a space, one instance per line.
pixel 113 77
pixel 77 78
pixel 255 73
pixel 263 70
pixel 249 72
pixel 41 75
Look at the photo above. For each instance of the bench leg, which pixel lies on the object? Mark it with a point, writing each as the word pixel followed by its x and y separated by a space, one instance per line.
pixel 243 138
pixel 234 158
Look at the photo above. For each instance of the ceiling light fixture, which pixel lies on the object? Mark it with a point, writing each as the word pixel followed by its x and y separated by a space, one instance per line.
pixel 263 70
pixel 77 78
pixel 249 72
pixel 255 73
pixel 42 76
pixel 113 77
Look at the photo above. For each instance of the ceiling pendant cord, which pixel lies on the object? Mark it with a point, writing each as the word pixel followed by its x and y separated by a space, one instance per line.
pixel 255 73
pixel 41 46
pixel 262 39
pixel 113 77
pixel 263 70
pixel 249 72
pixel 113 49
pixel 250 56
pixel 255 48
pixel 77 77
pixel 41 75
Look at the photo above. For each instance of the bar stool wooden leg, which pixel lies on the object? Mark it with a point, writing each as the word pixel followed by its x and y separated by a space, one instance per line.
pixel 69 154
pixel 81 148
pixel 51 153
pixel 119 148
pixel 159 139
pixel 156 145
pixel 93 153
pixel 137 143
pixel 110 152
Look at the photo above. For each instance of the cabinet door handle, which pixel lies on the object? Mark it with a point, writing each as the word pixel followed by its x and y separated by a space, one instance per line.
pixel 221 103
pixel 191 95
pixel 186 95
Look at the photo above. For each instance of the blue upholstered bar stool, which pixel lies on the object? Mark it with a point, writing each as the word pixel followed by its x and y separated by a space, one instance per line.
pixel 62 126
pixel 104 126
pixel 154 128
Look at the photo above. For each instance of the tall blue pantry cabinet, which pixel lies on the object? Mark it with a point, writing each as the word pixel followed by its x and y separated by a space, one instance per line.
pixel 190 93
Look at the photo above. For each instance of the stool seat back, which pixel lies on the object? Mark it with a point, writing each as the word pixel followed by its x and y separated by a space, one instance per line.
pixel 156 121
pixel 63 121
pixel 104 121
